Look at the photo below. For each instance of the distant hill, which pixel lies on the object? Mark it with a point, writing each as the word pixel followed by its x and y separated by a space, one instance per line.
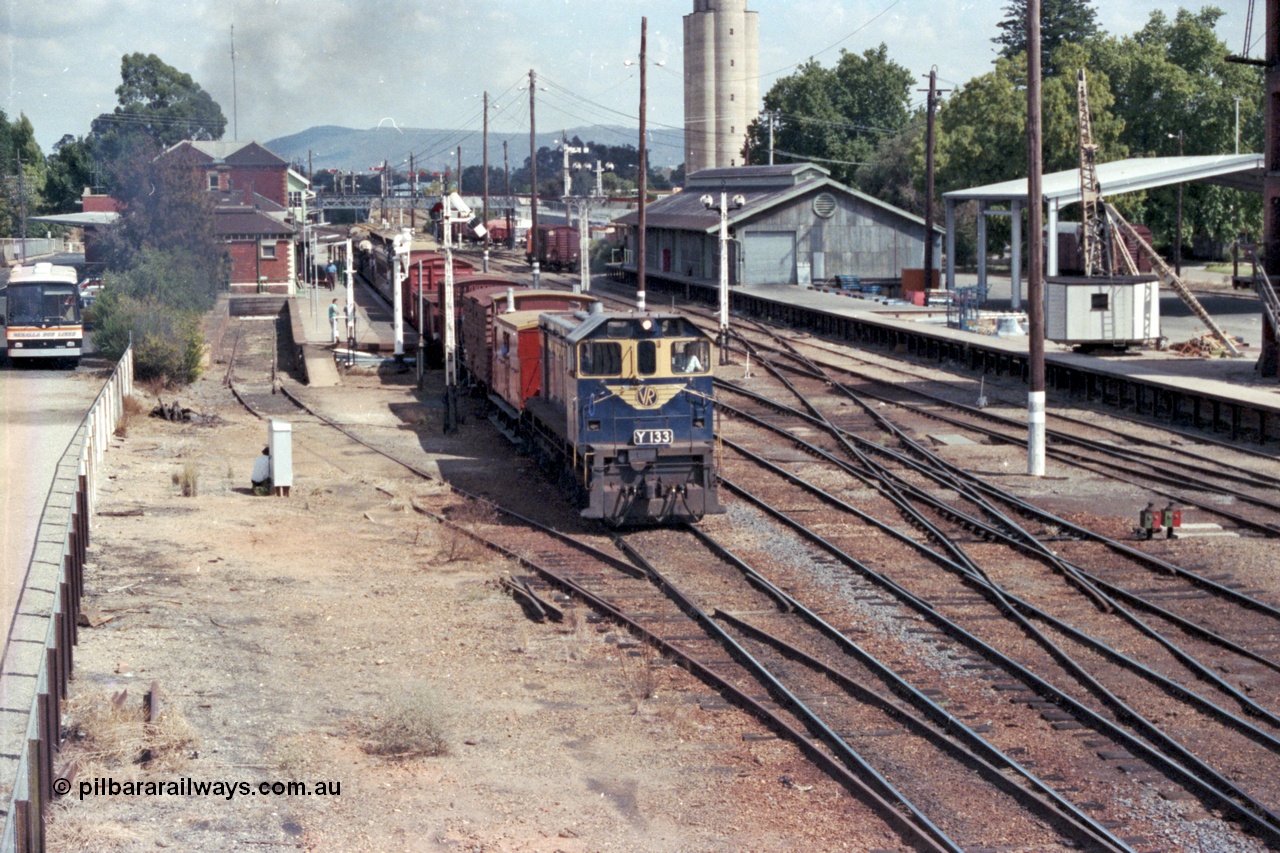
pixel 349 149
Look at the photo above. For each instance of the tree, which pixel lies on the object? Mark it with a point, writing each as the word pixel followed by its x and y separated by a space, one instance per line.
pixel 1061 22
pixel 835 116
pixel 18 145
pixel 158 107
pixel 982 127
pixel 164 205
pixel 895 174
pixel 71 168
pixel 1171 77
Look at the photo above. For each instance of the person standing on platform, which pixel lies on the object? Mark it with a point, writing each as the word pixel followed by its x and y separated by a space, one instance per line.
pixel 333 320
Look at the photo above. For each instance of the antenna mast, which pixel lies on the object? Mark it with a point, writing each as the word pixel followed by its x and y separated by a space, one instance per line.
pixel 235 112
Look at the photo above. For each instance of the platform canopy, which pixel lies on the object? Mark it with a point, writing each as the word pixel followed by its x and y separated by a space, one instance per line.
pixel 1060 189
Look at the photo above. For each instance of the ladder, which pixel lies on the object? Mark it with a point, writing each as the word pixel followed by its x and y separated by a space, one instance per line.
pixel 1266 294
pixel 1092 236
pixel 1170 278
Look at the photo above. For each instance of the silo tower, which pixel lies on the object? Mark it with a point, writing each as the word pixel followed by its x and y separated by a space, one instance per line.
pixel 721 82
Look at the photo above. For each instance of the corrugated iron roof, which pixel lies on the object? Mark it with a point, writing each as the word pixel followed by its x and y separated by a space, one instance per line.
pixel 684 211
pixel 1242 171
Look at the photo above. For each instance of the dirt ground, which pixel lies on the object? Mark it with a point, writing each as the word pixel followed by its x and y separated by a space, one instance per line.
pixel 295 639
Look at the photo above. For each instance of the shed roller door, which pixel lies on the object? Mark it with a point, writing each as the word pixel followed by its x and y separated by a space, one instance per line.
pixel 770 257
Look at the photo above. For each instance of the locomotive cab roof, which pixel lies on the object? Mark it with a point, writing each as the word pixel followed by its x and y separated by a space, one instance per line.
pixel 622 326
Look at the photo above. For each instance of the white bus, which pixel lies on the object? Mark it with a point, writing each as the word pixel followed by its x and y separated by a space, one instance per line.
pixel 41 314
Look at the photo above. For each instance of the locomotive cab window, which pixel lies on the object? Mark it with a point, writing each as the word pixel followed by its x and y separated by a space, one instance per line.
pixel 600 358
pixel 690 357
pixel 646 358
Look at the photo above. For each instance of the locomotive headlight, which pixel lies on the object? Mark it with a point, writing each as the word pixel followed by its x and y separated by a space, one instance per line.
pixel 699 423
pixel 17 344
pixel 646 324
pixel 622 457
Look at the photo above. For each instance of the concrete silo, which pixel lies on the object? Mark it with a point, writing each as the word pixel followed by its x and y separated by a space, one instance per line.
pixel 721 82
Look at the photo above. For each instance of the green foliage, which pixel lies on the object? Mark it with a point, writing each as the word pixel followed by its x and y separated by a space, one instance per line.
pixel 18 142
pixel 71 168
pixel 159 102
pixel 164 207
pixel 1061 22
pixel 895 174
pixel 1171 77
pixel 167 342
pixel 838 114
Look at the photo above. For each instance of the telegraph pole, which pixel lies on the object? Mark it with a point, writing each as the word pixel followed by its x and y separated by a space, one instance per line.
pixel 1269 359
pixel 413 195
pixel 770 137
pixel 235 106
pixel 928 178
pixel 22 220
pixel 532 239
pixel 484 206
pixel 640 249
pixel 511 225
pixel 1035 261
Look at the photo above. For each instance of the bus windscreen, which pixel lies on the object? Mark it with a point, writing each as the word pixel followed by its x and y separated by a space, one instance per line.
pixel 43 305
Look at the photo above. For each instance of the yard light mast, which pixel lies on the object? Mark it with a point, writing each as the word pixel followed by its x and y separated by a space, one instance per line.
pixel 400 244
pixel 725 205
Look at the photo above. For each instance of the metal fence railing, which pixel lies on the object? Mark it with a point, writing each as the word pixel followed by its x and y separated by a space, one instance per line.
pixel 13 249
pixel 37 658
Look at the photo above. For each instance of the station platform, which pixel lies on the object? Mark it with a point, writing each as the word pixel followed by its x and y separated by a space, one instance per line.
pixel 313 334
pixel 1220 394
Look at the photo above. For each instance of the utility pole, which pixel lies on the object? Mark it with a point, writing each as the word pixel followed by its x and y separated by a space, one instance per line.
pixel 928 178
pixel 1177 234
pixel 771 137
pixel 484 159
pixel 235 108
pixel 511 202
pixel 22 216
pixel 413 195
pixel 1035 259
pixel 640 249
pixel 532 238
pixel 1269 360
pixel 1237 99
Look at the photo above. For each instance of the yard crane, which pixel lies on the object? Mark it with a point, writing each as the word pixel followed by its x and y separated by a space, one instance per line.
pixel 1101 220
pixel 1093 230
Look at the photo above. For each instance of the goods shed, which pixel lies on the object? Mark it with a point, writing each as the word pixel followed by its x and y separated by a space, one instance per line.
pixel 1061 189
pixel 796 225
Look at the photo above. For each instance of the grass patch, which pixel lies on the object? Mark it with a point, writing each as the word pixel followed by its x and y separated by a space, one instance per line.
pixel 188 479
pixel 108 731
pixel 455 543
pixel 412 724
pixel 130 411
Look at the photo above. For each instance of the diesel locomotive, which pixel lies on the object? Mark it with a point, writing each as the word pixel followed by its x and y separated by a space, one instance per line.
pixel 620 402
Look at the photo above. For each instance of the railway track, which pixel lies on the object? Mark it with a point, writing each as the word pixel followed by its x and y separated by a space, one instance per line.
pixel 1178 474
pixel 948 669
pixel 1006 591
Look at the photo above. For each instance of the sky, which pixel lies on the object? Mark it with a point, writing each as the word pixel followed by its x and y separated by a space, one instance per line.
pixel 427 63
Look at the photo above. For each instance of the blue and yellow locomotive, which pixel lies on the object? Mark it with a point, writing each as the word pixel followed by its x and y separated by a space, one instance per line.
pixel 626 405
